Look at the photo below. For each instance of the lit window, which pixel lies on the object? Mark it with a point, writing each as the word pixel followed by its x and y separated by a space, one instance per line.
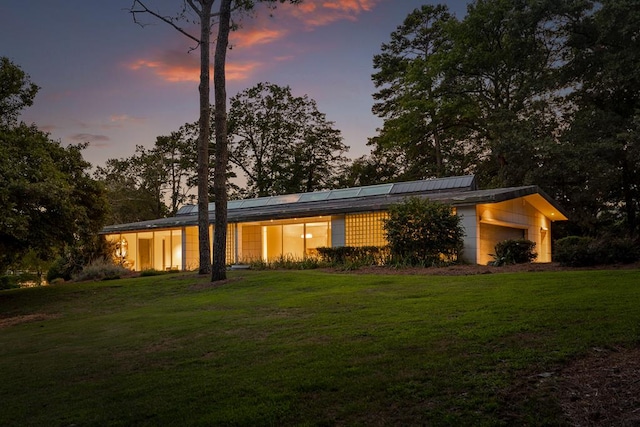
pixel 365 229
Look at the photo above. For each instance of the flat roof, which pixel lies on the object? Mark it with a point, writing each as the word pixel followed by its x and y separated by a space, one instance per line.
pixel 460 183
pixel 457 191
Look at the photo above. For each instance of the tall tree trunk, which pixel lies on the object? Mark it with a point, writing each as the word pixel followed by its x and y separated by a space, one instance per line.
pixel 219 270
pixel 203 140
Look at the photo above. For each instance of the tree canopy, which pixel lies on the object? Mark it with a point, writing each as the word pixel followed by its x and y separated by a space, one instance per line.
pixel 517 92
pixel 16 91
pixel 49 204
pixel 282 143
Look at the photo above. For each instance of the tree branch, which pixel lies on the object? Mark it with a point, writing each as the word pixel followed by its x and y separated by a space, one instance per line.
pixel 165 19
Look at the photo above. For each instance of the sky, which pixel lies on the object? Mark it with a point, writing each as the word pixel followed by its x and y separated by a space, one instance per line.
pixel 115 84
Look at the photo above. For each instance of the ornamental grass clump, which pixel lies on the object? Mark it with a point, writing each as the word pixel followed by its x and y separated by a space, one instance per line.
pixel 101 269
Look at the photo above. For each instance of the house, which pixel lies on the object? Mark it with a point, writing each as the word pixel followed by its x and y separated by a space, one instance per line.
pixel 296 224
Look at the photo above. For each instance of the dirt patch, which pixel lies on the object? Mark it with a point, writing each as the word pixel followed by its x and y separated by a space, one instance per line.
pixel 6 322
pixel 602 389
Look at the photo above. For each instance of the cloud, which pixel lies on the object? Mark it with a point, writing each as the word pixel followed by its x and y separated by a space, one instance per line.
pixel 241 71
pixel 251 37
pixel 91 138
pixel 186 68
pixel 177 66
pixel 170 66
pixel 48 128
pixel 120 120
pixel 318 13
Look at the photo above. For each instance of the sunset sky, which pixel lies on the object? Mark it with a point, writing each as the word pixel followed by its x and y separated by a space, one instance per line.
pixel 116 84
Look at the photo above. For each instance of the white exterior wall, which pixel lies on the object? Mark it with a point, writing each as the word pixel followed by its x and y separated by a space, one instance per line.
pixel 518 213
pixel 469 222
pixel 338 234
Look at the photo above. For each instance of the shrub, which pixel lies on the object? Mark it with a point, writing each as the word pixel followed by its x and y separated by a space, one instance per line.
pixel 8 282
pixel 285 262
pixel 354 256
pixel 514 251
pixel 423 232
pixel 58 270
pixel 577 251
pixel 101 269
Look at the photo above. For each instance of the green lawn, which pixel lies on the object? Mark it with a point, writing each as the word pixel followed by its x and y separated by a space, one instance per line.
pixel 304 348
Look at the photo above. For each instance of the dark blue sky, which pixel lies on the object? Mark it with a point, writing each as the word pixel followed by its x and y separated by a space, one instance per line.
pixel 110 82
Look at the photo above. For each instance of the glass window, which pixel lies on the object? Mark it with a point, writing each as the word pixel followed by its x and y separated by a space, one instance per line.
pixel 365 229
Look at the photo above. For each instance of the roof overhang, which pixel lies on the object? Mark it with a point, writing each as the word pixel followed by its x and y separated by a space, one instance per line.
pixel 532 194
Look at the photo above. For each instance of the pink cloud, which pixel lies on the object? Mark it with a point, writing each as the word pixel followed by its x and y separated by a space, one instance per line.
pixel 168 72
pixel 317 13
pixel 176 65
pixel 241 71
pixel 258 36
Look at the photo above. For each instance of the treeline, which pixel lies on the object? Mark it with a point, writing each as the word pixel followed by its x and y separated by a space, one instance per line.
pixel 518 92
pixel 279 144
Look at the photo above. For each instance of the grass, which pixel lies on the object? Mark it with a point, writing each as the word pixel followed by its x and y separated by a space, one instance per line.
pixel 304 348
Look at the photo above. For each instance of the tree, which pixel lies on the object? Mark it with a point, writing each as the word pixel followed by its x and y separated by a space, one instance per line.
pixel 415 97
pixel 203 9
pixel 370 170
pixel 420 231
pixel 604 134
pixel 506 58
pixel 475 95
pixel 48 202
pixel 128 196
pixel 177 155
pixel 16 92
pixel 282 143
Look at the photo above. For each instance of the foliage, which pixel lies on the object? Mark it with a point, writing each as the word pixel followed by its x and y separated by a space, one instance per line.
pixel 416 99
pixel 101 269
pixel 286 262
pixel 514 251
pixel 577 251
pixel 48 200
pixel 16 92
pixel 470 95
pixel 423 232
pixel 370 170
pixel 597 170
pixel 73 259
pixel 354 256
pixel 153 183
pixel 518 93
pixel 9 281
pixel 282 143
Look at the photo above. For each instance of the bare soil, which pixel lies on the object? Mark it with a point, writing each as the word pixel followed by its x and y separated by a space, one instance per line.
pixel 602 389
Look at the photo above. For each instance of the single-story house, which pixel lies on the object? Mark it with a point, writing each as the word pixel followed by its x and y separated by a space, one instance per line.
pixel 296 224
